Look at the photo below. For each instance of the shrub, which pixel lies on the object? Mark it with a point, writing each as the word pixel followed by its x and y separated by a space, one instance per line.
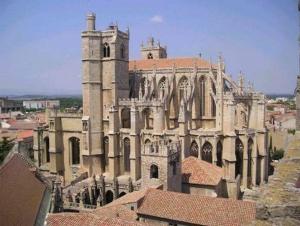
pixel 277 154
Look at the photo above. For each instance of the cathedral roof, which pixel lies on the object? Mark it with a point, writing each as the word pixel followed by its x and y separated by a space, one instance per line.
pixel 22 192
pixel 196 171
pixel 149 64
pixel 196 209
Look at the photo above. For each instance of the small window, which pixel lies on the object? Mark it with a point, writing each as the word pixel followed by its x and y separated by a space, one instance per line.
pixel 75 150
pixel 106 50
pixel 173 164
pixel 153 171
pixel 150 56
pixel 122 50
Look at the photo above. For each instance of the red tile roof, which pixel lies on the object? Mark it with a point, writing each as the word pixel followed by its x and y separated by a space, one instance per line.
pixel 22 124
pixel 195 209
pixel 21 192
pixel 25 134
pixel 196 171
pixel 119 211
pixel 131 197
pixel 86 219
pixel 169 63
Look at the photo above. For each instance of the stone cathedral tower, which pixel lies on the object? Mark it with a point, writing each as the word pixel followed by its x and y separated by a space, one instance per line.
pixel 104 80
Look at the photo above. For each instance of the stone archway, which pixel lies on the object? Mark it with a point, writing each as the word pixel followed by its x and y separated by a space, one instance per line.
pixel 122 194
pixel 239 149
pixel 147 118
pixel 125 117
pixel 249 163
pixel 219 154
pixel 74 143
pixel 109 196
pixel 46 142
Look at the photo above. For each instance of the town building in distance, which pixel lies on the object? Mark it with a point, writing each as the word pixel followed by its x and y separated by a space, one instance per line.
pixel 40 104
pixel 7 105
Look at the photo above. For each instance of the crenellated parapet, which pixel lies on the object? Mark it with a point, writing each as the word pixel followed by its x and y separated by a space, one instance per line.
pixel 162 147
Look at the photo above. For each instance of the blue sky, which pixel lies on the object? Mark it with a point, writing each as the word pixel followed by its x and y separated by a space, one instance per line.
pixel 40 40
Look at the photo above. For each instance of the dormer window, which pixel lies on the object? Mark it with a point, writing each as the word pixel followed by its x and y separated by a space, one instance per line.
pixel 106 50
pixel 150 56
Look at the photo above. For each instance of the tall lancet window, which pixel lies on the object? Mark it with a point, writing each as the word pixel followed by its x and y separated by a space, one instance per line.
pixel 106 50
pixel 162 87
pixel 202 96
pixel 183 87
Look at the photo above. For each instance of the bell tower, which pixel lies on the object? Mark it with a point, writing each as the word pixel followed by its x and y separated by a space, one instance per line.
pixel 105 79
pixel 92 96
pixel 161 164
pixel 153 50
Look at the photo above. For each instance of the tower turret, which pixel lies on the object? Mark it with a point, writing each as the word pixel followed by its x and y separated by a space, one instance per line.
pixel 153 50
pixel 91 19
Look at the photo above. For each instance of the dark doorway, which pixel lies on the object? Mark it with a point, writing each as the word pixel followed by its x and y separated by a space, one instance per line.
pixel 109 197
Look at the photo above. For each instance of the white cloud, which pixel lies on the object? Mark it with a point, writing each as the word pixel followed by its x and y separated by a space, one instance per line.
pixel 157 19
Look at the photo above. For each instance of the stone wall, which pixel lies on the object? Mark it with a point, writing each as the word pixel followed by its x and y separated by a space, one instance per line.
pixel 278 202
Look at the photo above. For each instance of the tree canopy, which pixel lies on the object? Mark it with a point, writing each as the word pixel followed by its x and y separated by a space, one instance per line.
pixel 5 146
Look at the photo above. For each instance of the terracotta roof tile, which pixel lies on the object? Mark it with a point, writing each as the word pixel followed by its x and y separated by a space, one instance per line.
pixel 195 209
pixel 21 192
pixel 22 124
pixel 169 63
pixel 86 219
pixel 119 211
pixel 131 197
pixel 25 134
pixel 196 171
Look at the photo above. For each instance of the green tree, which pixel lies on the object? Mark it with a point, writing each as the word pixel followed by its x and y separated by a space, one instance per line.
pixel 5 146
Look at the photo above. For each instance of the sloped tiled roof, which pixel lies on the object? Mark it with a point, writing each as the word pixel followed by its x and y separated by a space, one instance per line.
pixel 119 211
pixel 190 62
pixel 22 124
pixel 195 209
pixel 196 171
pixel 25 134
pixel 131 197
pixel 21 192
pixel 86 219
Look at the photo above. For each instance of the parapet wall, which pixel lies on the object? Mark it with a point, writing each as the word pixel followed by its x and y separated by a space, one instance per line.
pixel 278 202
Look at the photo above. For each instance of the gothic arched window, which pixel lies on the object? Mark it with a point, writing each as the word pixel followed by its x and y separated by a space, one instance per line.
pixel 202 96
pixel 219 154
pixel 183 86
pixel 75 150
pixel 150 56
pixel 206 152
pixel 106 150
pixel 162 87
pixel 147 118
pixel 213 104
pixel 46 141
pixel 126 155
pixel 125 118
pixel 194 149
pixel 153 171
pixel 106 50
